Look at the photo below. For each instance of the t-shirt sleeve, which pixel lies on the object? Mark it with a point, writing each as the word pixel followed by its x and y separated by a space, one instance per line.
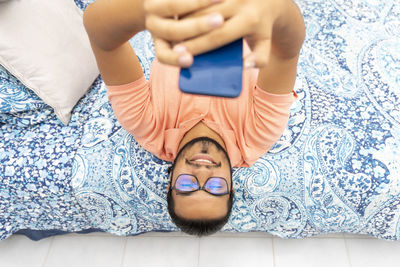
pixel 267 119
pixel 133 107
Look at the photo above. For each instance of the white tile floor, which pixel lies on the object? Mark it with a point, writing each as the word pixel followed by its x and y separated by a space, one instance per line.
pixel 176 250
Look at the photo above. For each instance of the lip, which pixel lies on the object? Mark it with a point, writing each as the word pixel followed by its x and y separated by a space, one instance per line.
pixel 203 157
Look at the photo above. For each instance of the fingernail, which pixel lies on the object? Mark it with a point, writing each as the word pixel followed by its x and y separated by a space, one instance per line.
pixel 179 49
pixel 185 60
pixel 249 63
pixel 216 20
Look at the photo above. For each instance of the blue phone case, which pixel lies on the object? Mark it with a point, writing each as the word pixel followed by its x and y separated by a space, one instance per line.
pixel 215 73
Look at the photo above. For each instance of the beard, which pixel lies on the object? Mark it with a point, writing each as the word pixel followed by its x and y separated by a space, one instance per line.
pixel 206 143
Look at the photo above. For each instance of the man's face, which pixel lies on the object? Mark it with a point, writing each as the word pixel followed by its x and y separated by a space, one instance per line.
pixel 203 158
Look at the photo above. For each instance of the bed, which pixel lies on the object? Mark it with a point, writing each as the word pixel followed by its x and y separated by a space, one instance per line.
pixel 336 168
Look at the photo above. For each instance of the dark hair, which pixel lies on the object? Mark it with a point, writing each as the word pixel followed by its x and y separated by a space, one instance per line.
pixel 199 227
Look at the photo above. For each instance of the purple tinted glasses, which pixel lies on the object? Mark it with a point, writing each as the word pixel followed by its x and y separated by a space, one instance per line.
pixel 187 183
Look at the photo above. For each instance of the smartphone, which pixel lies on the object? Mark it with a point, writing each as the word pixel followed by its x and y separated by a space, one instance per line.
pixel 215 73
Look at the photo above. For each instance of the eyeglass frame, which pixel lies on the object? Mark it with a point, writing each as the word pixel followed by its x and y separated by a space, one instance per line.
pixel 229 192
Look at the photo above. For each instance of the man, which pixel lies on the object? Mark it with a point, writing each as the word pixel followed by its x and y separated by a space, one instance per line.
pixel 203 136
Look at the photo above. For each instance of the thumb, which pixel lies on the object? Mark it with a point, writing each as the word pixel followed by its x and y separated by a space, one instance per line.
pixel 177 55
pixel 259 56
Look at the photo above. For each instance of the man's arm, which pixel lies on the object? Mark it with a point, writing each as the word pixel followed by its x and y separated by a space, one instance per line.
pixel 110 24
pixel 279 75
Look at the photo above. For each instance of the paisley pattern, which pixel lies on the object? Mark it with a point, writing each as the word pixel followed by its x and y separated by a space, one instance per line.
pixel 335 168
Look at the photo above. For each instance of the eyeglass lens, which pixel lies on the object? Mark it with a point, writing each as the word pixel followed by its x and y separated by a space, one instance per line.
pixel 216 185
pixel 186 183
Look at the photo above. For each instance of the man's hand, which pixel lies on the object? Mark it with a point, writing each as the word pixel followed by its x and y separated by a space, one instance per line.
pixel 167 30
pixel 266 25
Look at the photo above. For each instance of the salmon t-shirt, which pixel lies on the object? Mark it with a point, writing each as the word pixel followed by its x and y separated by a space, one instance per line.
pixel 158 114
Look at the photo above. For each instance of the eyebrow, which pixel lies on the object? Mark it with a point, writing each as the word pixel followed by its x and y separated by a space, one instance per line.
pixel 190 193
pixel 185 194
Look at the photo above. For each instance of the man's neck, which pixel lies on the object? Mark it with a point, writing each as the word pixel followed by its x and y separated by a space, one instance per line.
pixel 201 130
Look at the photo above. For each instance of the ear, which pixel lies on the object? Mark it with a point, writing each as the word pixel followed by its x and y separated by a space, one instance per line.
pixel 169 180
pixel 169 177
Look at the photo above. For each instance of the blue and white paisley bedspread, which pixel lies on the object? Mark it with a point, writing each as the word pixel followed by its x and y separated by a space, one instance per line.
pixel 335 169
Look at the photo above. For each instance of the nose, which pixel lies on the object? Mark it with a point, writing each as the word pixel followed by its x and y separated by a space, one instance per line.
pixel 202 173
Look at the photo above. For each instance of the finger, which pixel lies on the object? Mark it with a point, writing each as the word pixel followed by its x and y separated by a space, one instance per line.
pixel 179 30
pixel 259 56
pixel 177 56
pixel 225 8
pixel 232 30
pixel 170 8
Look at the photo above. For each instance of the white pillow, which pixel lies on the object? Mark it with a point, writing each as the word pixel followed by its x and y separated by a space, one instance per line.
pixel 43 43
